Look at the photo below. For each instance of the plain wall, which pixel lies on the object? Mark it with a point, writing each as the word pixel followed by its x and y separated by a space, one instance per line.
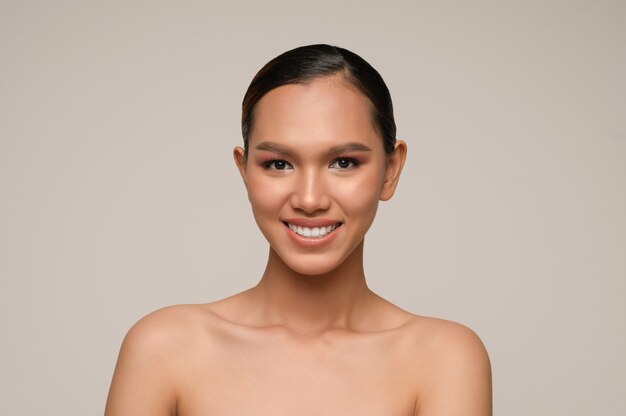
pixel 119 194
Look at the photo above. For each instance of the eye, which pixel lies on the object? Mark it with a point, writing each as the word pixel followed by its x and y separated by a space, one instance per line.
pixel 344 163
pixel 276 165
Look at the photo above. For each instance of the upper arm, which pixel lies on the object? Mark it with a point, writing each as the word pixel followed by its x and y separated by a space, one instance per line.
pixel 143 381
pixel 459 377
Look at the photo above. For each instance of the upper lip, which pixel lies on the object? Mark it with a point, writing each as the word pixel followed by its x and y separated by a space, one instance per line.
pixel 311 222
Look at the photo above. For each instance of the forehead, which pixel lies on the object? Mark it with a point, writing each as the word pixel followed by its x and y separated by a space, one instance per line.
pixel 323 112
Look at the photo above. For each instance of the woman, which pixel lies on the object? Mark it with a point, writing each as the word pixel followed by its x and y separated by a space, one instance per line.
pixel 311 338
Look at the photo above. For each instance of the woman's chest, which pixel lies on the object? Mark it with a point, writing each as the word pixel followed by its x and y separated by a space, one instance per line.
pixel 263 379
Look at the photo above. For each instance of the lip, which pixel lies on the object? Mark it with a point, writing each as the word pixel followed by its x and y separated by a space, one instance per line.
pixel 312 223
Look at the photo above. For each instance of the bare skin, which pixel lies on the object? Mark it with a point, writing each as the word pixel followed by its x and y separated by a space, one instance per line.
pixel 311 338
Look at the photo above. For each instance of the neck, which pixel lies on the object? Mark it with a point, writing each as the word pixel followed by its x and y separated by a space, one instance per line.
pixel 314 304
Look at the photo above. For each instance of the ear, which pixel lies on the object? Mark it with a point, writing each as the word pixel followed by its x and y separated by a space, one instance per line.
pixel 395 162
pixel 240 161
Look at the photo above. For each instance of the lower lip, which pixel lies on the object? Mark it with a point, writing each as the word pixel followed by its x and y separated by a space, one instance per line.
pixel 312 242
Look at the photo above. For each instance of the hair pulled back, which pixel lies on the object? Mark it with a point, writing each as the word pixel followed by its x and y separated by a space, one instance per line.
pixel 303 64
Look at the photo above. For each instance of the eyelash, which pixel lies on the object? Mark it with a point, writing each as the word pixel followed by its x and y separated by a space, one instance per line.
pixel 271 164
pixel 354 163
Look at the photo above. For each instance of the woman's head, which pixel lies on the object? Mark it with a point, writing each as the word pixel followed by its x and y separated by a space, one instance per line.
pixel 306 63
pixel 320 154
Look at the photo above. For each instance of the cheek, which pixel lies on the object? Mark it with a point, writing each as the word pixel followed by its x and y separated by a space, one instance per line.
pixel 265 196
pixel 362 194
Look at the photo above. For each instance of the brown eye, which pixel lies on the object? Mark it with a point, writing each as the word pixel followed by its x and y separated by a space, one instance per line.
pixel 344 163
pixel 277 165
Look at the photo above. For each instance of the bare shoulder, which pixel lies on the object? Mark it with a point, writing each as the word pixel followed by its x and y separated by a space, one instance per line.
pixel 452 371
pixel 158 326
pixel 152 360
pixel 166 330
pixel 447 339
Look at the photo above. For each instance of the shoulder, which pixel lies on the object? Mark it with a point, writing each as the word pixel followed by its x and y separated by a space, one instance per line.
pixel 448 339
pixel 155 355
pixel 159 340
pixel 442 343
pixel 165 328
pixel 454 372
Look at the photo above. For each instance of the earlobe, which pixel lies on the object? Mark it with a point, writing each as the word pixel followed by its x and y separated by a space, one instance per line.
pixel 240 160
pixel 395 162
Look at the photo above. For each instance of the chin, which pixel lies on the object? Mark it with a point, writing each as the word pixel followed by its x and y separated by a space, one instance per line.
pixel 312 265
pixel 311 268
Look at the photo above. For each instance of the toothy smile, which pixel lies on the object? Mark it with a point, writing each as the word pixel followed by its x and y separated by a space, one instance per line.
pixel 312 232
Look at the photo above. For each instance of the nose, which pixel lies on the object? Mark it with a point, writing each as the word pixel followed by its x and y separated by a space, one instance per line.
pixel 310 193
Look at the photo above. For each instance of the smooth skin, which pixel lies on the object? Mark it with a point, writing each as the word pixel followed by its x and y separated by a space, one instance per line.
pixel 310 338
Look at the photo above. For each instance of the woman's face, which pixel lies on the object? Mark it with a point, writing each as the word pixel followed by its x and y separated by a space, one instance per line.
pixel 315 171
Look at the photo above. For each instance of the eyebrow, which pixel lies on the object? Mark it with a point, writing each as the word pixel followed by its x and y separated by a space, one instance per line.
pixel 333 151
pixel 347 148
pixel 274 148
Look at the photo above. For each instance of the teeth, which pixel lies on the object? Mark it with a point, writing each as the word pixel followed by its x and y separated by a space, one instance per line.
pixel 315 232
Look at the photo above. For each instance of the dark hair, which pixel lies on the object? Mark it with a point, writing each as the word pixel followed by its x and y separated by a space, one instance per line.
pixel 306 63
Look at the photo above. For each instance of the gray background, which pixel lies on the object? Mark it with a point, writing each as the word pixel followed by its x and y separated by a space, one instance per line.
pixel 119 194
